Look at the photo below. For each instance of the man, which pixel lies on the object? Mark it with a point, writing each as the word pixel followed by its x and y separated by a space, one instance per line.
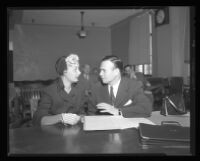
pixel 117 95
pixel 86 71
pixel 129 72
pixel 95 75
pixel 85 78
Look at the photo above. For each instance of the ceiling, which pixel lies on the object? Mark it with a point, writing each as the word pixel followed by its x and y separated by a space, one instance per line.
pixel 72 17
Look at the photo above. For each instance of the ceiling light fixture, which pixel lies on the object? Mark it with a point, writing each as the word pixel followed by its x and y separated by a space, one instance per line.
pixel 82 33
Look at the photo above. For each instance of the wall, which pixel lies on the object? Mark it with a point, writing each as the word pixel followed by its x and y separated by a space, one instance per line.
pixel 170 47
pixel 120 40
pixel 168 50
pixel 164 51
pixel 179 46
pixel 39 46
pixel 36 48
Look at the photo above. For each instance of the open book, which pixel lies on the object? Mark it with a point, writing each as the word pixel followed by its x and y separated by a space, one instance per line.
pixel 112 122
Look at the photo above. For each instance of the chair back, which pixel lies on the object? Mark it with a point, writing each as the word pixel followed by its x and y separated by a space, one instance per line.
pixel 175 85
pixel 30 97
pixel 12 92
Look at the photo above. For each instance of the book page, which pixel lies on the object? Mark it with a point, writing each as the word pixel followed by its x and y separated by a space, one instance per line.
pixel 112 122
pixel 101 123
pixel 134 122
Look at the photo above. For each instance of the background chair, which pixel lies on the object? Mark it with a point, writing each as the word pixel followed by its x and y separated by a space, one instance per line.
pixel 157 88
pixel 175 85
pixel 30 97
pixel 24 96
pixel 15 107
pixel 174 97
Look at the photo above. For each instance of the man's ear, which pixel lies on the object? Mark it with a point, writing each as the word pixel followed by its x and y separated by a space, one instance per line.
pixel 117 70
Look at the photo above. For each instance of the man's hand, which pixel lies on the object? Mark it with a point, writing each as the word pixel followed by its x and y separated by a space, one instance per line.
pixel 105 107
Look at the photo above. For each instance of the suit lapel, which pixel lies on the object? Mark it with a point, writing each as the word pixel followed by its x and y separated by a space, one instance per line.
pixel 67 97
pixel 122 92
pixel 105 94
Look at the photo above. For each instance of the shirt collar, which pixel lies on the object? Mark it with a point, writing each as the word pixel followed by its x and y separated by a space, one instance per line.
pixel 115 86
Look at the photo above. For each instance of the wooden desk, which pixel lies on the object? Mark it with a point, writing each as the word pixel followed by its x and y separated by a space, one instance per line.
pixel 60 139
pixel 184 120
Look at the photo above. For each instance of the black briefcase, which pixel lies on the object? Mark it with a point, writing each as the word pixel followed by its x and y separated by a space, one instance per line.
pixel 164 135
pixel 173 105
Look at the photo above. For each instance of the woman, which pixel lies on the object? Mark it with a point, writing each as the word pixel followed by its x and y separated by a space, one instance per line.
pixel 62 101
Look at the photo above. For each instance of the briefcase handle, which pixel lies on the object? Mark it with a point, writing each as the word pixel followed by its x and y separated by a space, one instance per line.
pixel 170 123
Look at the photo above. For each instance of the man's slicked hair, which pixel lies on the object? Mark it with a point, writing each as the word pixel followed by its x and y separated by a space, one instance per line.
pixel 115 60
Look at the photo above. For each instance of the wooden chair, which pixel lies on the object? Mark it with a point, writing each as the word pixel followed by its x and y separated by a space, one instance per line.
pixel 15 107
pixel 30 98
pixel 34 102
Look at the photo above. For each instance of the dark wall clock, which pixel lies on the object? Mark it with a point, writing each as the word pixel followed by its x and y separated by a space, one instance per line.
pixel 162 16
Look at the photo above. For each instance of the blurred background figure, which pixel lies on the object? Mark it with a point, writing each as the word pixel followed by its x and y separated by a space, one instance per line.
pixel 141 77
pixel 85 78
pixel 95 75
pixel 86 71
pixel 145 84
pixel 15 107
pixel 88 78
pixel 129 71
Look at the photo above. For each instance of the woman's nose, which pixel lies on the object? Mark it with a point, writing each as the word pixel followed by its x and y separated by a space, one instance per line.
pixel 100 73
pixel 79 72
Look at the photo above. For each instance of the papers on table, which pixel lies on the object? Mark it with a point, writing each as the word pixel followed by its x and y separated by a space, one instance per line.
pixel 112 122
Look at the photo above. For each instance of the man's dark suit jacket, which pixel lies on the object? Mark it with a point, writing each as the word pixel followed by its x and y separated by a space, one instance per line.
pixel 129 90
pixel 54 100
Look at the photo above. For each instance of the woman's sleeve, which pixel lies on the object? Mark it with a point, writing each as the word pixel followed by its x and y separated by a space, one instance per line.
pixel 43 109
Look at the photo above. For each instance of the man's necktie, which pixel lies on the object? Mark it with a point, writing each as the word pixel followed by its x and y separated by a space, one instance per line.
pixel 112 95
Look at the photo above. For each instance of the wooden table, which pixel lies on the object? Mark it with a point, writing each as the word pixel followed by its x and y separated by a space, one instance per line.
pixel 60 139
pixel 157 118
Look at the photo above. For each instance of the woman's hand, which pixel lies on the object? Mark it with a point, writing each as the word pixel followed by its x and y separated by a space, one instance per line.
pixel 70 118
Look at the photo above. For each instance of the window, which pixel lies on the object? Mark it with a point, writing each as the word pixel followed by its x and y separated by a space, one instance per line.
pixel 147 68
pixel 139 68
